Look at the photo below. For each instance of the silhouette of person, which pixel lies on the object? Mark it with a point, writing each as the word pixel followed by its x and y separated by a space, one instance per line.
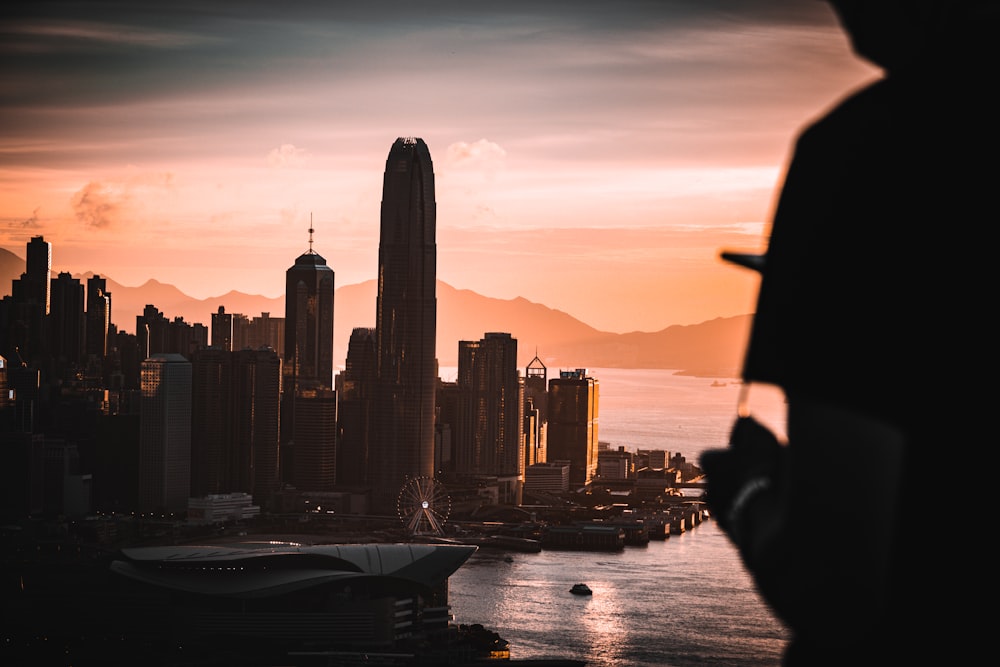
pixel 863 320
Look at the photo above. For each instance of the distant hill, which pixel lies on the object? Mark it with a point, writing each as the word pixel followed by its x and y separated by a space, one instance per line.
pixel 11 268
pixel 709 349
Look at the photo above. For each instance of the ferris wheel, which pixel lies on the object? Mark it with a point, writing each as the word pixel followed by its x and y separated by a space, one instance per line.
pixel 423 506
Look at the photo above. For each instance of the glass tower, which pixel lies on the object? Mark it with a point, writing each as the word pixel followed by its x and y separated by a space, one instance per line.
pixel 406 324
pixel 307 365
pixel 309 290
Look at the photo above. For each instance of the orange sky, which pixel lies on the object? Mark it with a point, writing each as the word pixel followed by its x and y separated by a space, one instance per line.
pixel 593 157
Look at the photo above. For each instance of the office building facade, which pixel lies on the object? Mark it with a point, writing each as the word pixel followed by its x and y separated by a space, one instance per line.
pixel 355 392
pixel 573 423
pixel 489 438
pixel 165 434
pixel 66 323
pixel 235 422
pixel 98 317
pixel 24 312
pixel 38 272
pixel 222 329
pixel 536 414
pixel 315 436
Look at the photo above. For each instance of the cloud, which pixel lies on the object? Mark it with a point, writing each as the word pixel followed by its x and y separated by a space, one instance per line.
pixel 33 221
pixel 287 155
pixel 100 205
pixel 481 154
pixel 63 32
pixel 149 181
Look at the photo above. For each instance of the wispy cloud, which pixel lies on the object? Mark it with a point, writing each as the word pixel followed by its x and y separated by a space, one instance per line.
pixel 287 155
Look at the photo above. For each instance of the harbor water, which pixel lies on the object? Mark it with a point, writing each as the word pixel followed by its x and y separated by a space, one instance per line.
pixel 680 602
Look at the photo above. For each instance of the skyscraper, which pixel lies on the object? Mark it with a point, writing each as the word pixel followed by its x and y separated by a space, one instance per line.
pixel 234 419
pixel 257 396
pixel 307 365
pixel 38 269
pixel 489 438
pixel 98 316
pixel 212 452
pixel 66 323
pixel 536 412
pixel 222 330
pixel 165 433
pixel 355 388
pixel 406 324
pixel 573 422
pixel 315 436
pixel 26 311
pixel 308 360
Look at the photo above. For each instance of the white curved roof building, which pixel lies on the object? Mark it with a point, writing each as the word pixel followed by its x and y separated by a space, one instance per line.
pixel 266 569
pixel 254 603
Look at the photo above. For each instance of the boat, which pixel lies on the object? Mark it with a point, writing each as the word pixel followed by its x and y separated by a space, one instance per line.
pixel 716 383
pixel 581 589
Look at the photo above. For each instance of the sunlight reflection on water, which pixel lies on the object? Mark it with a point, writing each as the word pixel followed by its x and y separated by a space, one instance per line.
pixel 684 601
pixel 681 602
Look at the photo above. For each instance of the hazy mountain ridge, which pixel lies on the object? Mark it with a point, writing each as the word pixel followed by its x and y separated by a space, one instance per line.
pixel 711 349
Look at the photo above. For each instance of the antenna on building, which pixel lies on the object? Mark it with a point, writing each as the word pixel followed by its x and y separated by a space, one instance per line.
pixel 311 230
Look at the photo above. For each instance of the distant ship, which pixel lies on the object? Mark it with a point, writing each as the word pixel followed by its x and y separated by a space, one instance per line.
pixel 716 383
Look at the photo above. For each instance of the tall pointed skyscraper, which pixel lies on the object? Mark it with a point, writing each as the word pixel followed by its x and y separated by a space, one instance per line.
pixel 406 324
pixel 307 364
pixel 308 361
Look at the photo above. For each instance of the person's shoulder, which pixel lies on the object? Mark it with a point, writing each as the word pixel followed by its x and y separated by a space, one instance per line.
pixel 857 113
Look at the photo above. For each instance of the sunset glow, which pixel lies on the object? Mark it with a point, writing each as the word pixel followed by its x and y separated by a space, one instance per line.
pixel 593 157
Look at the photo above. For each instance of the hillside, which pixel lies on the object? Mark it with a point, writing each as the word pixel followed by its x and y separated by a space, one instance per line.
pixel 710 349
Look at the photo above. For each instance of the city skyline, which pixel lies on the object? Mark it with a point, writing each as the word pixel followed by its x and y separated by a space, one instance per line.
pixel 598 162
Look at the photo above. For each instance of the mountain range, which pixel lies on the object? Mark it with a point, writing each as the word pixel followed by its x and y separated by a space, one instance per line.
pixel 708 349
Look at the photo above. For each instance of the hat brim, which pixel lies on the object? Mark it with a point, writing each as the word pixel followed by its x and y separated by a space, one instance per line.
pixel 749 260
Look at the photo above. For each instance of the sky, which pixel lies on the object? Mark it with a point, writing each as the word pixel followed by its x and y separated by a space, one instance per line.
pixel 591 156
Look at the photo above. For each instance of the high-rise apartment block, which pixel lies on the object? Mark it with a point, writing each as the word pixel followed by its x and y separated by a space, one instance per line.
pixel 38 272
pixel 222 329
pixel 165 434
pixel 573 423
pixel 355 390
pixel 25 312
pixel 234 414
pixel 255 333
pixel 66 323
pixel 213 465
pixel 489 438
pixel 157 334
pixel 406 324
pixel 536 413
pixel 256 407
pixel 315 459
pixel 98 316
